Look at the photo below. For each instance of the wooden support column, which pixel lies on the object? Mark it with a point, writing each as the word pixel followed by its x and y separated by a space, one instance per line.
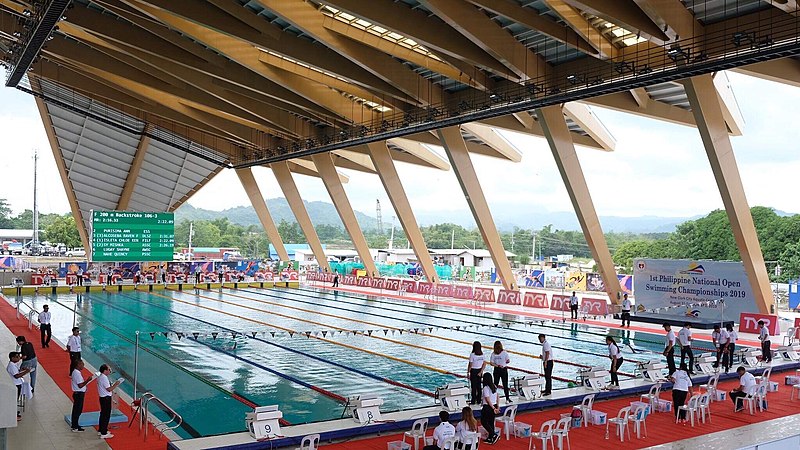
pixel 257 200
pixel 714 133
pixel 292 194
pixel 456 150
pixel 558 136
pixel 384 165
pixel 133 172
pixel 62 171
pixel 327 171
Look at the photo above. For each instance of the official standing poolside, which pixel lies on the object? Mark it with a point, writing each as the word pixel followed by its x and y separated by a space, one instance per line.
pixel 104 390
pixel 669 349
pixel 44 326
pixel 766 345
pixel 626 311
pixel 685 339
pixel 78 394
pixel 547 364
pixel 74 348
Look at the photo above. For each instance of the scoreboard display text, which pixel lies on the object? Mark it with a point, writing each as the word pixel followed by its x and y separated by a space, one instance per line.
pixel 132 236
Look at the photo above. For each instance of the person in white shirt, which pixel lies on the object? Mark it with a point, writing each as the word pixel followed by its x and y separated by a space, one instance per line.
pixel 732 337
pixel 499 360
pixel 78 394
pixel 616 361
pixel 766 345
pixel 685 339
pixel 681 387
pixel 475 371
pixel 626 310
pixel 74 348
pixel 468 426
pixel 16 373
pixel 747 386
pixel 441 433
pixel 669 349
pixel 490 409
pixel 722 354
pixel 44 326
pixel 104 390
pixel 715 340
pixel 547 364
pixel 573 306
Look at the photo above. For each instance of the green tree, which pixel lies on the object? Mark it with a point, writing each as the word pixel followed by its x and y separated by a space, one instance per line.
pixel 63 230
pixel 5 214
pixel 291 233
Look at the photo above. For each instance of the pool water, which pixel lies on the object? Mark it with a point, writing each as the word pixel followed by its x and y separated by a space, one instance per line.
pixel 212 377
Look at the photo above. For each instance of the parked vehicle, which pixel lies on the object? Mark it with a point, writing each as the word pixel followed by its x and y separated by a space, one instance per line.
pixel 77 252
pixel 15 248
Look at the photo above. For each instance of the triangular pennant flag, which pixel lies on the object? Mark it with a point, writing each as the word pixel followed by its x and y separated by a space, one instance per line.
pixel 291 333
pixel 254 334
pixel 355 332
pixel 316 333
pixel 180 336
pixel 458 328
pixel 272 333
pixel 393 332
pixel 430 330
pixel 308 334
pixel 233 334
pixel 369 332
pixel 166 334
pixel 214 334
pixel 401 331
pixel 195 335
pixel 324 333
pixel 385 332
pixel 152 336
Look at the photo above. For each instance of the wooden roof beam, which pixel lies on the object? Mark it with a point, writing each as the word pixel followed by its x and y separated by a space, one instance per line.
pixel 603 48
pixel 623 13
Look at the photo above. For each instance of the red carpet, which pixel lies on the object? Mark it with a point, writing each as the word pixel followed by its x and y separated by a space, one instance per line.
pixel 661 427
pixel 55 360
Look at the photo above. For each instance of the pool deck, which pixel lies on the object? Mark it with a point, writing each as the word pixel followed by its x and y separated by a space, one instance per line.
pixel 42 426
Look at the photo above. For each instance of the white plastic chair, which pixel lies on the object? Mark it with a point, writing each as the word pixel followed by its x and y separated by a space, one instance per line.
pixel 764 378
pixel 545 434
pixel 417 432
pixel 639 417
pixel 711 386
pixel 310 442
pixel 690 408
pixel 795 388
pixel 586 408
pixel 652 396
pixel 621 421
pixel 751 399
pixel 789 337
pixel 704 407
pixel 449 443
pixel 470 439
pixel 561 431
pixel 507 419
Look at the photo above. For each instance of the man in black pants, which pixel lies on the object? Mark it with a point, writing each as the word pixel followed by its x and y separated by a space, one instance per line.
pixel 685 340
pixel 573 306
pixel 44 326
pixel 626 311
pixel 669 349
pixel 78 394
pixel 335 280
pixel 547 363
pixel 766 345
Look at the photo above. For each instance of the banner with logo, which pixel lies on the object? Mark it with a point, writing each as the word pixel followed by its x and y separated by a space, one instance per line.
pixel 748 323
pixel 669 284
pixel 626 283
pixel 534 279
pixel 535 299
pixel 594 282
pixel 484 294
pixel 594 306
pixel 509 297
pixel 560 302
pixel 576 281
pixel 408 286
pixel 554 279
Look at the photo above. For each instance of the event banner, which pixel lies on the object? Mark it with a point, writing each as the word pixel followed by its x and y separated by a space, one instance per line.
pixel 693 288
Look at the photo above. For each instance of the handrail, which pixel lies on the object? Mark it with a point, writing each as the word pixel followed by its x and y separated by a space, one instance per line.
pixel 30 313
pixel 162 426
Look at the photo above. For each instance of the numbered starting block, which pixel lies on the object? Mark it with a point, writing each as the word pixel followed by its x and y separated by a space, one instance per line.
pixel 651 370
pixel 529 386
pixel 706 363
pixel 366 408
pixel 789 352
pixel 593 378
pixel 453 396
pixel 264 422
pixel 750 356
pixel 17 282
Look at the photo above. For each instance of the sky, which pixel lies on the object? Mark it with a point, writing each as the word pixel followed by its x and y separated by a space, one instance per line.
pixel 657 168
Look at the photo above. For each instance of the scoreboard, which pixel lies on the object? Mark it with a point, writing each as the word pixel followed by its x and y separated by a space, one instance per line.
pixel 132 236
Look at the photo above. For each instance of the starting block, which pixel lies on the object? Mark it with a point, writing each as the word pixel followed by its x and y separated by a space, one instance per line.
pixel 750 356
pixel 593 378
pixel 706 363
pixel 789 352
pixel 264 422
pixel 453 396
pixel 366 408
pixel 529 386
pixel 651 370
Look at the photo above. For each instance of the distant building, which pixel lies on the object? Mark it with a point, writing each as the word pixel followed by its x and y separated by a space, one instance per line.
pixel 466 257
pixel 16 235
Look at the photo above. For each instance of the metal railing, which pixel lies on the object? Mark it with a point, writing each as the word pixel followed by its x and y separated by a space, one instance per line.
pixel 31 312
pixel 174 419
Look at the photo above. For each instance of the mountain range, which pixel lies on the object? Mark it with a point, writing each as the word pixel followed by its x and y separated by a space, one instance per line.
pixel 324 213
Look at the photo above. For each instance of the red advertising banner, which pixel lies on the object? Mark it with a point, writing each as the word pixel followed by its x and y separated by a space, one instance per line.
pixel 797 327
pixel 462 292
pixel 392 284
pixel 509 297
pixel 409 286
pixel 560 302
pixel 294 275
pixel 349 280
pixel 364 282
pixel 535 300
pixel 593 306
pixel 71 279
pixel 377 283
pixel 424 288
pixel 443 290
pixel 748 323
pixel 484 295
pixel 37 279
pixel 312 276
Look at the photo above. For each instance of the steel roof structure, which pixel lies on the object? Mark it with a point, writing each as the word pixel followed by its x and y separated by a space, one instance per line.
pixel 146 100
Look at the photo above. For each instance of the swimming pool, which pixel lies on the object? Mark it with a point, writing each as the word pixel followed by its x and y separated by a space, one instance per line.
pixel 306 349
